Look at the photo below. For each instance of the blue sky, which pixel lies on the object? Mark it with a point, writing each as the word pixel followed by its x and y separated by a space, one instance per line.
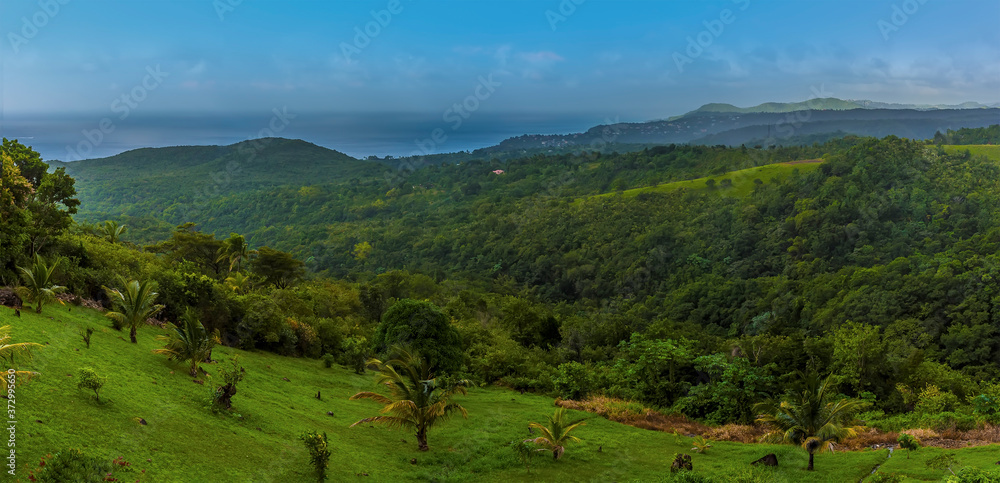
pixel 615 58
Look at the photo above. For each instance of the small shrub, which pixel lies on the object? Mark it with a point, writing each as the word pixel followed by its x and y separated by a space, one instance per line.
pixel 943 461
pixel 90 380
pixel 319 452
pixel 356 350
pixel 975 475
pixel 222 398
pixel 909 443
pixel 328 360
pixel 86 336
pixel 524 452
pixel 886 478
pixel 73 465
pixel 700 444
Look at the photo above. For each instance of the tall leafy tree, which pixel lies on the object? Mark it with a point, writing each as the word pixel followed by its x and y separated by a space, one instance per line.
pixel 39 286
pixel 277 267
pixel 424 327
pixel 417 399
pixel 809 417
pixel 35 205
pixel 189 341
pixel 133 303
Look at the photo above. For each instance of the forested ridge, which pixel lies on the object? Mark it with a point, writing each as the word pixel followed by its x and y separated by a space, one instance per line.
pixel 880 266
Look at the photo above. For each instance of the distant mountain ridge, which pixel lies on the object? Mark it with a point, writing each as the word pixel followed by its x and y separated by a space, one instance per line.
pixel 830 103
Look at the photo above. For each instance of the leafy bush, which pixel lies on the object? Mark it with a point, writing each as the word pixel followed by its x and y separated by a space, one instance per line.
pixel 355 353
pixel 524 452
pixel 886 478
pixel 426 329
pixel 90 380
pixel 572 380
pixel 319 452
pixel 73 465
pixel 328 360
pixel 975 475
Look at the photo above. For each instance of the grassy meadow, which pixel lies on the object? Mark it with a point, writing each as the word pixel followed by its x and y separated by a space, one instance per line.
pixel 743 180
pixel 183 440
pixel 991 151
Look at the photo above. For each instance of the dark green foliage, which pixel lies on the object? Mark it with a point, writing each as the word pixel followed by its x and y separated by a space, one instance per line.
pixel 319 452
pixel 423 327
pixel 276 267
pixel 72 465
pixel 573 380
pixel 987 135
pixel 328 360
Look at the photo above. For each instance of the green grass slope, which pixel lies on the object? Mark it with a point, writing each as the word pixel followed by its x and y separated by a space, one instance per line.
pixel 742 180
pixel 185 441
pixel 991 151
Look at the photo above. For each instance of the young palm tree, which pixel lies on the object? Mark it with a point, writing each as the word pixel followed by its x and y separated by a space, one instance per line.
pixel 555 436
pixel 9 353
pixel 133 304
pixel 240 283
pixel 189 342
pixel 418 401
pixel 810 417
pixel 235 250
pixel 112 230
pixel 38 282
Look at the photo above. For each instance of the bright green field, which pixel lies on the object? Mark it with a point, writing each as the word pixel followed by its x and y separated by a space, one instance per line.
pixel 185 441
pixel 743 180
pixel 991 151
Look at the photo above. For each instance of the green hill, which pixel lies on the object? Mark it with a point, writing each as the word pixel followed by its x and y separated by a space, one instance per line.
pixel 184 441
pixel 814 104
pixel 177 181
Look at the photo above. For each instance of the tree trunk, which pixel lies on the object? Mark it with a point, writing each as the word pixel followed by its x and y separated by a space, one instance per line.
pixel 810 468
pixel 194 368
pixel 422 439
pixel 131 334
pixel 38 309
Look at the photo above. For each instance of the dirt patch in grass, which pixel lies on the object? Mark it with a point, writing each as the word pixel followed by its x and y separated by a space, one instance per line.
pixel 639 416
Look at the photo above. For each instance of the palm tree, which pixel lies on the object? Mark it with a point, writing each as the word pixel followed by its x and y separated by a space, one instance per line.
pixel 112 230
pixel 555 436
pixel 809 417
pixel 38 285
pixel 418 400
pixel 240 283
pixel 9 354
pixel 189 342
pixel 235 249
pixel 133 304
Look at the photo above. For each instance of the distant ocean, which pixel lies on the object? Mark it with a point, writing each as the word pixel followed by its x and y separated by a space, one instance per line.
pixel 71 138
